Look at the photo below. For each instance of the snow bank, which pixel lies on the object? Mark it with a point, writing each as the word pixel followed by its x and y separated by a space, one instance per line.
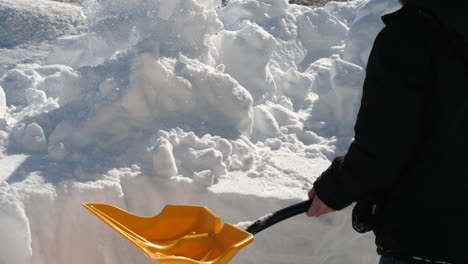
pixel 2 103
pixel 238 108
pixel 15 227
pixel 24 21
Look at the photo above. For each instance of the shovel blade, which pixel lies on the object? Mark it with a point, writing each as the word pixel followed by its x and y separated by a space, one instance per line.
pixel 180 234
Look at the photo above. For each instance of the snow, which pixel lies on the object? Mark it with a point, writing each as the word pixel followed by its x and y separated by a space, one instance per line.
pixel 246 224
pixel 24 21
pixel 145 103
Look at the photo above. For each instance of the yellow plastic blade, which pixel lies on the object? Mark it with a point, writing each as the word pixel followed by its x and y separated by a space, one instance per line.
pixel 180 234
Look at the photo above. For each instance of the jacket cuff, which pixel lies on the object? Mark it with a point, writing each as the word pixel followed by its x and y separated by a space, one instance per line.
pixel 328 188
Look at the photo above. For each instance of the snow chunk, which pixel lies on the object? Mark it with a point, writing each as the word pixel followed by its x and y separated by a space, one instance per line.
pixel 35 96
pixel 60 82
pixel 219 99
pixel 156 89
pixel 163 28
pixel 319 31
pixel 192 91
pixel 163 160
pixel 29 138
pixel 203 159
pixel 33 138
pixel 295 85
pixel 263 12
pixel 265 124
pixel 345 11
pixel 15 82
pixel 56 81
pixel 204 178
pixel 338 85
pixel 257 47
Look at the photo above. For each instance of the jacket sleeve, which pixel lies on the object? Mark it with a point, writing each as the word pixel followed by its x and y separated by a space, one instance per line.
pixel 390 125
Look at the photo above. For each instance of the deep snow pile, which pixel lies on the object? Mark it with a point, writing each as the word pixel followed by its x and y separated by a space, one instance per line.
pixel 23 21
pixel 237 108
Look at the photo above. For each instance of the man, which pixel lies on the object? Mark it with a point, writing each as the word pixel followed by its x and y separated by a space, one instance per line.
pixel 408 163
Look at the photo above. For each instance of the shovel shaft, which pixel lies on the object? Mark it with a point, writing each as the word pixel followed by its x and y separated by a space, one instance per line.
pixel 278 216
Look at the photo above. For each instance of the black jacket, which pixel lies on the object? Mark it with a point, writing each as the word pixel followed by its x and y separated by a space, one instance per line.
pixel 411 136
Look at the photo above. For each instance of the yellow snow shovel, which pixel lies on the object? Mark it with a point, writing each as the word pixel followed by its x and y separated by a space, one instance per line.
pixel 187 234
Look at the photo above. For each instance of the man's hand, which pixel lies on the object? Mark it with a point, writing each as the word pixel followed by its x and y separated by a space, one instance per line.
pixel 318 207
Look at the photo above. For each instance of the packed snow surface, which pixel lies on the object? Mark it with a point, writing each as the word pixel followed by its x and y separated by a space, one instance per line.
pixel 149 102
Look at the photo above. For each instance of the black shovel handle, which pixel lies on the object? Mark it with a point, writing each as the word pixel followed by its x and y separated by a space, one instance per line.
pixel 278 216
